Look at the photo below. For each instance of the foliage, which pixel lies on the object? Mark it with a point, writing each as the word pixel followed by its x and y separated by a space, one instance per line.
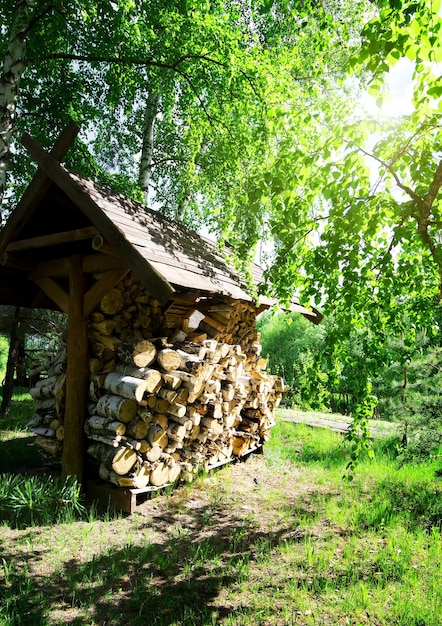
pixel 411 392
pixel 292 345
pixel 221 69
pixel 4 347
pixel 39 500
pixel 398 379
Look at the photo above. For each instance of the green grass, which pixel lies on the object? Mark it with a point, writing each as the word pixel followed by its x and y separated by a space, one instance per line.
pixel 278 540
pixel 17 452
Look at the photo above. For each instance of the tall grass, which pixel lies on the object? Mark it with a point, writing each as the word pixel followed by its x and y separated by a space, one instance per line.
pixel 279 540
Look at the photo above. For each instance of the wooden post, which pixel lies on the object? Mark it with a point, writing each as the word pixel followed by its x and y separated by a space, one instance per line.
pixel 77 376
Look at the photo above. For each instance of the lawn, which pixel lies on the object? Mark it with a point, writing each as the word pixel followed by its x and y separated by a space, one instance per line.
pixel 279 539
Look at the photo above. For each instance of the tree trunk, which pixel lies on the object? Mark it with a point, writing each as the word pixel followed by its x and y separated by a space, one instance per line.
pixel 13 67
pixel 148 144
pixel 14 349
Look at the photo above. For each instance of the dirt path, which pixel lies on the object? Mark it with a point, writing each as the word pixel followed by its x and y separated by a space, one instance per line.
pixel 335 421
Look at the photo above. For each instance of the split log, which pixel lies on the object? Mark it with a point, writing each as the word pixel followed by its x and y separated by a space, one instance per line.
pixel 121 460
pixel 159 475
pixel 105 327
pixel 168 359
pixel 168 394
pixel 157 436
pixel 137 429
pixel 47 404
pixel 44 432
pixel 145 414
pixel 153 453
pixel 53 387
pixel 50 446
pixel 140 353
pixel 112 302
pixel 176 410
pixel 109 440
pixel 177 431
pixel 171 381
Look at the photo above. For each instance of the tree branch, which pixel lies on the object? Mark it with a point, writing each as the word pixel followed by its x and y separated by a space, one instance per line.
pixel 410 192
pixel 435 186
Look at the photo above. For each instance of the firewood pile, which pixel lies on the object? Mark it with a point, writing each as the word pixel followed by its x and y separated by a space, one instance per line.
pixel 173 389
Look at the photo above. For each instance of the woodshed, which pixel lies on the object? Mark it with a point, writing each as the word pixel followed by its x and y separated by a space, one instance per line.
pixel 162 374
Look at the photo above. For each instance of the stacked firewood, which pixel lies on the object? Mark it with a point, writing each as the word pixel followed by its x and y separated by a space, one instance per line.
pixel 48 394
pixel 172 390
pixel 170 409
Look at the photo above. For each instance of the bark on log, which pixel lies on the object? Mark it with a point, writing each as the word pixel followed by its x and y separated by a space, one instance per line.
pixel 121 460
pixel 50 446
pixel 152 377
pixel 99 422
pixel 125 386
pixel 116 407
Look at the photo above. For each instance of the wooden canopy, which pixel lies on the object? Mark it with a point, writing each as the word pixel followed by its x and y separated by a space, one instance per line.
pixel 63 214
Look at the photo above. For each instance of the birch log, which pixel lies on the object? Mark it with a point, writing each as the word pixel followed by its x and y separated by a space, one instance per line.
pixel 116 407
pixel 125 386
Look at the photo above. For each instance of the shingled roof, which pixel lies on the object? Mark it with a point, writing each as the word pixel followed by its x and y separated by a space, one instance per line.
pixel 64 214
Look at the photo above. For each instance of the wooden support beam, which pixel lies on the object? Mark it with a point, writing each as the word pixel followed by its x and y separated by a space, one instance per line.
pixel 77 376
pixel 54 239
pixel 60 267
pixel 56 293
pixel 99 244
pixel 11 260
pixel 82 198
pixel 37 187
pixel 100 288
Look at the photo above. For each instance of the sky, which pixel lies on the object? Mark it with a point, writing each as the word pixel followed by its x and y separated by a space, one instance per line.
pixel 399 81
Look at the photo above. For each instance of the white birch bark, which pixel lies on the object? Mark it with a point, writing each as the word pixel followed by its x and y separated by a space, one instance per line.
pixel 13 66
pixel 148 144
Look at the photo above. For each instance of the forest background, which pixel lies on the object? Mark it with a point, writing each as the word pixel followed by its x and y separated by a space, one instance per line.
pixel 246 119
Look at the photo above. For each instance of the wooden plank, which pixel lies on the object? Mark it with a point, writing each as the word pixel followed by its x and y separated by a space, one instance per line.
pixel 186 278
pixel 60 267
pixel 54 239
pixel 51 269
pixel 56 293
pixel 120 498
pixel 14 262
pixel 80 191
pixel 37 188
pixel 100 288
pixel 150 239
pixel 77 377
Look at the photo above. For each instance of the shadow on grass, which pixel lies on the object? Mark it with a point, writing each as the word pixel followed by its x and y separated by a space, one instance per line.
pixel 176 581
pixel 19 455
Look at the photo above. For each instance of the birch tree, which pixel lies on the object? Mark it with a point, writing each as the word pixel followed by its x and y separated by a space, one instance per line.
pixel 13 67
